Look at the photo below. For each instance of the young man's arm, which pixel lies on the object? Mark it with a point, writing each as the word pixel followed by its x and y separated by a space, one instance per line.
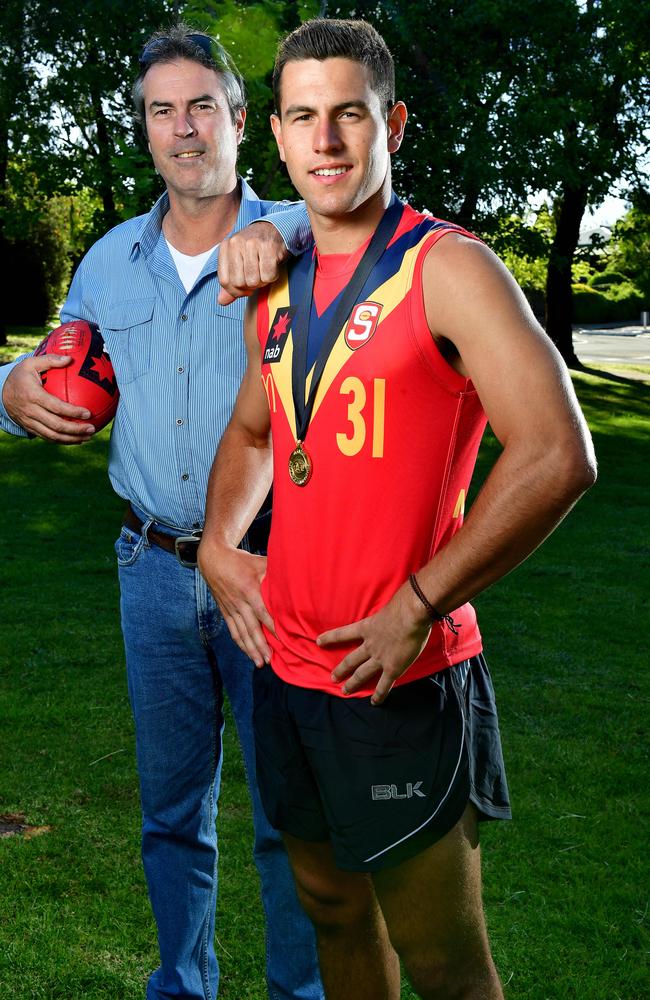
pixel 239 481
pixel 252 257
pixel 475 308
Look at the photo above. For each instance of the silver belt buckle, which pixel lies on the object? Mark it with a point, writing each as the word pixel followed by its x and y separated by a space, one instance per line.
pixel 185 547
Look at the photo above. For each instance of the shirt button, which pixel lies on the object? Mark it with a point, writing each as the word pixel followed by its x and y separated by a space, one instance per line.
pixel 184 317
pixel 180 370
pixel 179 422
pixel 185 476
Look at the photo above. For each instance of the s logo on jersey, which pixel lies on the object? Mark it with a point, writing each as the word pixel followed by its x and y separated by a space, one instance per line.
pixel 362 324
pixel 278 334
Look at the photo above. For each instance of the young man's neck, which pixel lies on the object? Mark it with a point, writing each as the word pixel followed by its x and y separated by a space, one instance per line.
pixel 345 233
pixel 194 225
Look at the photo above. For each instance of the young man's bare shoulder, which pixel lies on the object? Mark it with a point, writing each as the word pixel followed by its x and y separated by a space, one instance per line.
pixel 455 251
pixel 459 266
pixel 468 290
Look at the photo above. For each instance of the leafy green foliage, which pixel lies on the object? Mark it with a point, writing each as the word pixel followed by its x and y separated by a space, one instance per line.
pixel 522 244
pixel 620 303
pixel 607 279
pixel 43 237
pixel 630 245
pixel 590 93
pixel 82 106
pixel 505 99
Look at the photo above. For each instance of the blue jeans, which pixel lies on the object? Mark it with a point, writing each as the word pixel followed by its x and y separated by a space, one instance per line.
pixel 180 661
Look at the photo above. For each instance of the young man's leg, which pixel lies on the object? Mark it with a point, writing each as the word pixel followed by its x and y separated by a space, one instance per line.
pixel 428 909
pixel 434 913
pixel 319 761
pixel 357 960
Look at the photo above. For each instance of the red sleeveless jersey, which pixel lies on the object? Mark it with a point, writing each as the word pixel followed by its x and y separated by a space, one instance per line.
pixel 393 440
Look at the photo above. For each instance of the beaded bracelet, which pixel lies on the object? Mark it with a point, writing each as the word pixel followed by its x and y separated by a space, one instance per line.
pixel 432 612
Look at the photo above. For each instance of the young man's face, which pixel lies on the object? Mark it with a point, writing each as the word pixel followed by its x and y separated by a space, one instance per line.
pixel 192 138
pixel 334 134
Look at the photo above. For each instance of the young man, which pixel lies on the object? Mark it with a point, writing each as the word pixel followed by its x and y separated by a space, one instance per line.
pixel 374 364
pixel 151 286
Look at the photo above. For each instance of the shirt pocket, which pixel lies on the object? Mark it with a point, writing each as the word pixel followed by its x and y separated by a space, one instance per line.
pixel 228 355
pixel 127 330
pixel 235 310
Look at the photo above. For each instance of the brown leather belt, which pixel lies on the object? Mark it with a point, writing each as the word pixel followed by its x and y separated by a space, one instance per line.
pixel 184 547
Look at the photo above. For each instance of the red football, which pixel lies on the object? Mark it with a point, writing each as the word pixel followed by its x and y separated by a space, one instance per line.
pixel 89 379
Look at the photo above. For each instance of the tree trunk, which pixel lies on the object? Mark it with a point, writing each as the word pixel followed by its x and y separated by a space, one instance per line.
pixel 559 304
pixel 104 147
pixel 105 185
pixel 467 211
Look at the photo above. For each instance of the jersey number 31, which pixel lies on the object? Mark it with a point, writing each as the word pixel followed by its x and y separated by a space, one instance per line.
pixel 352 443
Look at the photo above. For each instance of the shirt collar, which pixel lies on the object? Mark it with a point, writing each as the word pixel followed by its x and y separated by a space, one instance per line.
pixel 150 227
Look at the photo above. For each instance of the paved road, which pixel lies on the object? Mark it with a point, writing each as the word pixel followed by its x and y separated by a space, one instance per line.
pixel 622 344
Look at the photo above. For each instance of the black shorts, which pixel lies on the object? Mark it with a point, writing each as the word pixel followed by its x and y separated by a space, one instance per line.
pixel 384 782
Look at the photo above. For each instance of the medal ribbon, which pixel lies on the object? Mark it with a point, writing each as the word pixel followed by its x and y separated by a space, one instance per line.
pixel 300 326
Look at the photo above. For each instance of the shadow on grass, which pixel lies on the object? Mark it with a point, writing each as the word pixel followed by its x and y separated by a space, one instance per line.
pixel 608 376
pixel 616 401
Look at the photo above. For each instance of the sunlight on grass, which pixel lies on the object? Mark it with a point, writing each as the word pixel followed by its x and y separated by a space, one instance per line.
pixel 21 340
pixel 564 883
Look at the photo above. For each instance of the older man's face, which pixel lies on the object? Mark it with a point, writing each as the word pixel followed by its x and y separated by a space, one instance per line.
pixel 192 137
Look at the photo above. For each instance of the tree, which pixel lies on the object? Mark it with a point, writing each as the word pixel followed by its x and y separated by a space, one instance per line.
pixel 88 58
pixel 591 93
pixel 509 99
pixel 65 119
pixel 502 103
pixel 630 244
pixel 459 68
pixel 17 76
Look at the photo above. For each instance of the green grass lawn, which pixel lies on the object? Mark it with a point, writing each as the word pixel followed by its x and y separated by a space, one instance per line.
pixel 566 883
pixel 22 339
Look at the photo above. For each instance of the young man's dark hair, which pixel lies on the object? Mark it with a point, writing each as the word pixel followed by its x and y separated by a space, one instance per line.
pixel 328 38
pixel 182 41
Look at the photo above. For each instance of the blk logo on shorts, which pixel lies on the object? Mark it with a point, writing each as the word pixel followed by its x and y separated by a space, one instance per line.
pixel 362 324
pixel 278 334
pixel 382 792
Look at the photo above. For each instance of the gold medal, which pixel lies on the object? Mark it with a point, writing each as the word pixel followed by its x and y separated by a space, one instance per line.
pixel 299 465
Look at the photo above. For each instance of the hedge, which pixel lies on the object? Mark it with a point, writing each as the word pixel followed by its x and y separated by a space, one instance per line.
pixel 622 304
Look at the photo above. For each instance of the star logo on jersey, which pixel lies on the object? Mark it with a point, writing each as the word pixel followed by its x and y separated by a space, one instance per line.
pixel 362 324
pixel 277 338
pixel 281 326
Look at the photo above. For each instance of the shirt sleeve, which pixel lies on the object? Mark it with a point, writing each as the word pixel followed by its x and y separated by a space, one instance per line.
pixel 6 423
pixel 291 221
pixel 72 309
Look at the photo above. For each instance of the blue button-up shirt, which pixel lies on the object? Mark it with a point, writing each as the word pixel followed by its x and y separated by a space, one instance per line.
pixel 178 357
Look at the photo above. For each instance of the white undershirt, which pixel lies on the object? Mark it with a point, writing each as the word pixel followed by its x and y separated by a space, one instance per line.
pixel 189 267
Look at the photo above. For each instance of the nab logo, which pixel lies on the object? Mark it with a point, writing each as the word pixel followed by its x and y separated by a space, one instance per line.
pixel 382 792
pixel 362 324
pixel 278 334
